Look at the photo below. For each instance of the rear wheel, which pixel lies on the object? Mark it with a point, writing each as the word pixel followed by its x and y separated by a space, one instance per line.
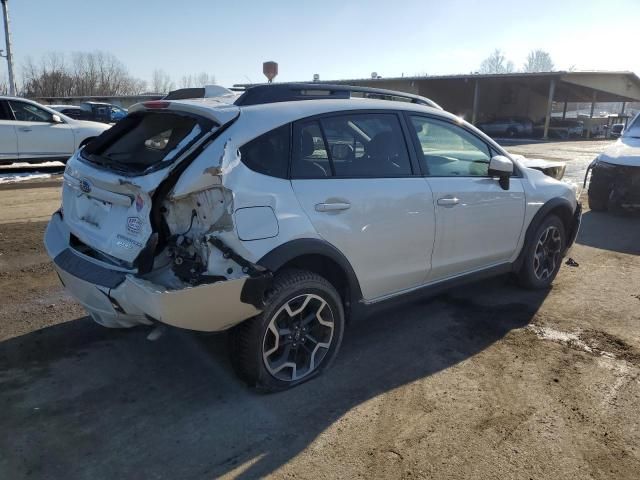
pixel 543 256
pixel 295 338
pixel 512 132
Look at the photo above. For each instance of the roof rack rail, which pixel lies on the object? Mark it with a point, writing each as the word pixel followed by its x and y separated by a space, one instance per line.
pixel 288 92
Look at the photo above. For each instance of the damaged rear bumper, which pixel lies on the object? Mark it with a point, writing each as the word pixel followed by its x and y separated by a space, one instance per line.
pixel 116 298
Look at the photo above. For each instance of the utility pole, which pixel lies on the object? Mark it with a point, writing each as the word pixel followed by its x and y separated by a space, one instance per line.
pixel 8 55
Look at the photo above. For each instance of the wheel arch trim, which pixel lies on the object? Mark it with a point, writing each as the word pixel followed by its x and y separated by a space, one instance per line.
pixel 557 203
pixel 293 249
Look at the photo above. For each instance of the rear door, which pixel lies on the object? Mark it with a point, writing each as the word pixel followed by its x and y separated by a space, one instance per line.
pixel 38 135
pixel 8 136
pixel 478 224
pixel 354 177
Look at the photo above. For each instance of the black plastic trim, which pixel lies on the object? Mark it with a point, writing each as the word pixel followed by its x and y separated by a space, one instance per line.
pixel 288 92
pixel 87 271
pixel 537 219
pixel 286 252
pixel 431 290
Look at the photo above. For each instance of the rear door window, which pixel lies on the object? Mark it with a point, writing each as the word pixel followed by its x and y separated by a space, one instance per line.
pixel 146 140
pixel 351 146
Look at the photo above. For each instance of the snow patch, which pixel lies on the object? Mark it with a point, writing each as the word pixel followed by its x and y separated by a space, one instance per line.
pixel 569 339
pixel 21 177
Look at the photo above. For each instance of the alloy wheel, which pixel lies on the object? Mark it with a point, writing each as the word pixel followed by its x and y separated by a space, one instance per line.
pixel 298 337
pixel 547 254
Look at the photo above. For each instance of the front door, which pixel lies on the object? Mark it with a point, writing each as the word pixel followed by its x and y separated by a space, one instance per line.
pixel 354 179
pixel 478 224
pixel 38 135
pixel 8 137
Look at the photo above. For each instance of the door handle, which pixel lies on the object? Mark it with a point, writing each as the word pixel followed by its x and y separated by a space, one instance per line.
pixel 25 129
pixel 448 201
pixel 332 207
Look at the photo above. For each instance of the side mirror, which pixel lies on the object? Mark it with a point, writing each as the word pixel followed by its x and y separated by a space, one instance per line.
pixel 502 168
pixel 56 118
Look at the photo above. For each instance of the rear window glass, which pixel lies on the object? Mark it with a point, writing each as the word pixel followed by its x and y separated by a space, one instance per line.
pixel 145 140
pixel 269 153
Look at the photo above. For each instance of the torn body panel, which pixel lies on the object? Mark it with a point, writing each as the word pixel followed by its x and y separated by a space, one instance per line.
pixel 158 297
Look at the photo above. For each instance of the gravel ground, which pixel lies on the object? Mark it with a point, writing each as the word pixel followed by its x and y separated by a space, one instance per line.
pixel 487 381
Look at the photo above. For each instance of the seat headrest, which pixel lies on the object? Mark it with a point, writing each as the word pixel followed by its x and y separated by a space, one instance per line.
pixel 307 147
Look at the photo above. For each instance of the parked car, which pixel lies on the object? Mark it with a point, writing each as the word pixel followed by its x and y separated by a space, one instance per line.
pixel 210 216
pixel 559 128
pixel 72 111
pixel 615 173
pixel 508 127
pixel 103 112
pixel 616 130
pixel 30 132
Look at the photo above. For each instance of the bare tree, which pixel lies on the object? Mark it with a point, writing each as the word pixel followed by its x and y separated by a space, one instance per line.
pixel 496 63
pixel 161 81
pixel 538 61
pixel 199 80
pixel 85 74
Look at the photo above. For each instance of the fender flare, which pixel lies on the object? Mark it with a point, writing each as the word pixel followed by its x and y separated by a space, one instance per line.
pixel 293 249
pixel 557 202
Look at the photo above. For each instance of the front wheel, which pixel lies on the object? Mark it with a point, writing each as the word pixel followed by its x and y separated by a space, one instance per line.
pixel 295 338
pixel 543 255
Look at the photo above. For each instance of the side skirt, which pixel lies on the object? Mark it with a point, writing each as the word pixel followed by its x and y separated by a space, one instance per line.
pixel 364 307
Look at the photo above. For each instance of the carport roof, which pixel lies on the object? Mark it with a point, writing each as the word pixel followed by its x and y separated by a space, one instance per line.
pixel 609 86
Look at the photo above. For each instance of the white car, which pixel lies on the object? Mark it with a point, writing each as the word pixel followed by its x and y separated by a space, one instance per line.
pixel 30 132
pixel 297 207
pixel 615 173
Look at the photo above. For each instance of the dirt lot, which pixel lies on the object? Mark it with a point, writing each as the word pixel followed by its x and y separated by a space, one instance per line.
pixel 488 381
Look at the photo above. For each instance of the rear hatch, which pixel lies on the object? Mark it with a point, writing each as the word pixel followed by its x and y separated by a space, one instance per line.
pixel 109 185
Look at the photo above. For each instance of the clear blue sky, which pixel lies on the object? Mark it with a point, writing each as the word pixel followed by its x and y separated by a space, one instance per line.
pixel 335 38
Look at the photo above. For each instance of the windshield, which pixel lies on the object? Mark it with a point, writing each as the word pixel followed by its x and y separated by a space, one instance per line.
pixel 633 130
pixel 145 140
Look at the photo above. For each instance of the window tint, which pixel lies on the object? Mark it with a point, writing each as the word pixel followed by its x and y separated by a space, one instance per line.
pixel 25 112
pixel 450 151
pixel 4 113
pixel 358 145
pixel 310 153
pixel 269 153
pixel 367 145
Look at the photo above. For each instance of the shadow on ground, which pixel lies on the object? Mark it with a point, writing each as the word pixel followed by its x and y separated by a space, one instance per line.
pixel 81 401
pixel 617 232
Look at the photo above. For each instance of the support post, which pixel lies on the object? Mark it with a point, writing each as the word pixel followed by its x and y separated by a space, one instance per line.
pixel 547 120
pixel 594 97
pixel 476 97
pixel 564 110
pixel 8 54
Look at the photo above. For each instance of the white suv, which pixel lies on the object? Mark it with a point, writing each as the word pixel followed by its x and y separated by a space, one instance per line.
pixel 30 132
pixel 292 210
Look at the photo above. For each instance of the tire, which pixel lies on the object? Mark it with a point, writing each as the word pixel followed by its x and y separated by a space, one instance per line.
pixel 512 133
pixel 258 355
pixel 544 253
pixel 598 192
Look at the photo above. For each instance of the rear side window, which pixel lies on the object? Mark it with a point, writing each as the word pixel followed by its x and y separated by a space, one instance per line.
pixel 269 153
pixel 353 145
pixel 144 140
